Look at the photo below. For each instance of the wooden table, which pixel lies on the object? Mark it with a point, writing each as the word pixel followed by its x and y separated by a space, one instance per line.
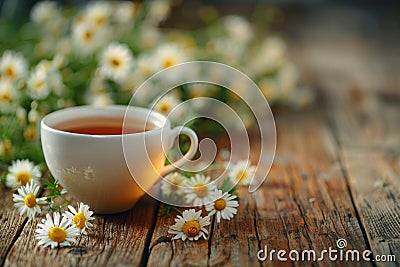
pixel 335 175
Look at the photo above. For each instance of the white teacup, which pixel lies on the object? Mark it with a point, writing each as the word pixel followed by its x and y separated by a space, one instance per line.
pixel 98 169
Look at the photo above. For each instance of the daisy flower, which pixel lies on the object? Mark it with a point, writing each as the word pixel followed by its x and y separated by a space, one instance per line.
pixel 238 29
pixel 89 173
pixel 22 172
pixel 53 232
pixel 158 11
pixel 87 38
pixel 38 87
pixel 98 13
pixel 81 217
pixel 145 65
pixel 166 104
pixel 124 12
pixel 116 61
pixel 168 55
pixel 6 147
pixel 198 190
pixel 12 66
pixel 190 226
pixel 224 205
pixel 44 12
pixel 26 201
pixel 99 99
pixel 241 173
pixel 7 94
pixel 173 183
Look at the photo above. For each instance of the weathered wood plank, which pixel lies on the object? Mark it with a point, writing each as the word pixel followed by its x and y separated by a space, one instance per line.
pixel 235 242
pixel 305 203
pixel 11 223
pixel 358 77
pixel 167 252
pixel 116 240
pixel 374 182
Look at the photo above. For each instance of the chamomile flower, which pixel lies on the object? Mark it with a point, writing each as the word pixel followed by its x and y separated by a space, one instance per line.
pixel 166 104
pixel 54 232
pixel 116 61
pixel 190 226
pixel 124 12
pixel 242 173
pixel 224 205
pixel 198 190
pixel 44 12
pixel 12 66
pixel 145 65
pixel 158 11
pixel 81 218
pixel 26 201
pixel 22 172
pixel 271 55
pixel 89 173
pixel 238 29
pixel 270 89
pixel 98 13
pixel 38 87
pixel 87 38
pixel 173 183
pixel 168 55
pixel 7 95
pixel 99 99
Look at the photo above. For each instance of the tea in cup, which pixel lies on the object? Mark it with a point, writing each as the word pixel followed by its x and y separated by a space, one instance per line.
pixel 108 157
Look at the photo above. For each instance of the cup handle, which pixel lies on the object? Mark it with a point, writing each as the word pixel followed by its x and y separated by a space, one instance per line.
pixel 189 155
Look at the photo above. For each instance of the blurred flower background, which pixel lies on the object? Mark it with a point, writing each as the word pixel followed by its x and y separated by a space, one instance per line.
pixel 98 53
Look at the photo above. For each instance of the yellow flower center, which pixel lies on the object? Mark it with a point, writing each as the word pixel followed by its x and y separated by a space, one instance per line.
pixel 30 133
pixel 241 175
pixel 88 35
pixel 7 147
pixel 79 220
pixel 220 204
pixel 100 20
pixel 164 108
pixel 23 177
pixel 57 234
pixel 6 97
pixel 169 62
pixel 115 62
pixel 201 190
pixel 38 85
pixel 30 200
pixel 9 71
pixel 191 228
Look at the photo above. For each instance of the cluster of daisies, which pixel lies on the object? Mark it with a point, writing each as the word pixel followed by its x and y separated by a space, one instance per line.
pixel 58 229
pixel 101 52
pixel 200 191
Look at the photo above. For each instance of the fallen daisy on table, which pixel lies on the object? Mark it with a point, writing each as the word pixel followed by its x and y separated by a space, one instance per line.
pixel 198 190
pixel 242 172
pixel 224 205
pixel 173 183
pixel 190 226
pixel 81 217
pixel 53 232
pixel 22 172
pixel 26 201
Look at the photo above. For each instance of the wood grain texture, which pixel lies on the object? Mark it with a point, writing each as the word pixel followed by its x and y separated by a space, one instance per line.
pixel 11 223
pixel 115 240
pixel 371 169
pixel 305 203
